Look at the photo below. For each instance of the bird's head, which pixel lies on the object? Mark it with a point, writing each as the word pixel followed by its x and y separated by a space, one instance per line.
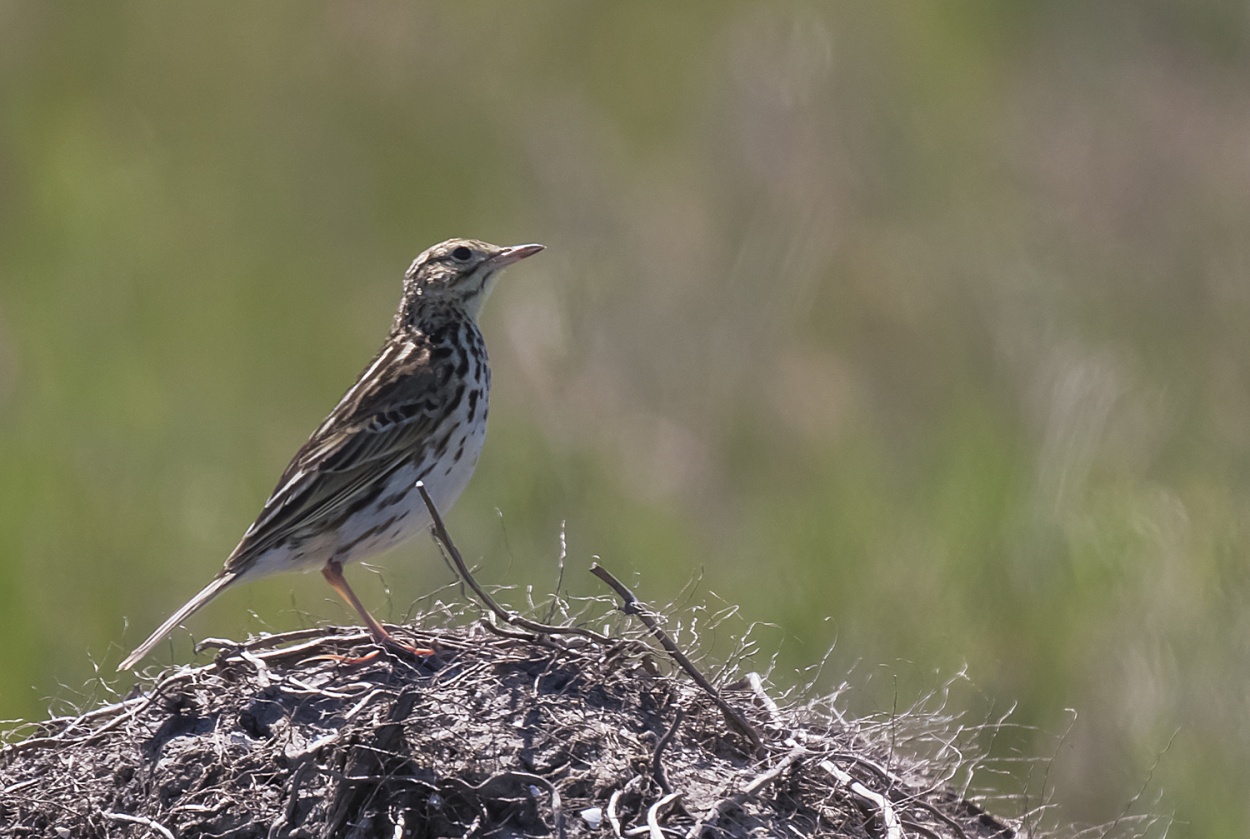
pixel 459 272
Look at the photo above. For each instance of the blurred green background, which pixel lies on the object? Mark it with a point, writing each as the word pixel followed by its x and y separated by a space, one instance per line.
pixel 919 328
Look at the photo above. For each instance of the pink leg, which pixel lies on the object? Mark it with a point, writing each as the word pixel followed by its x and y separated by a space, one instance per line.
pixel 333 572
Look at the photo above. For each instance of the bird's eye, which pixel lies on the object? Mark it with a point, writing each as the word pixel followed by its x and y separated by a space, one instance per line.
pixel 461 254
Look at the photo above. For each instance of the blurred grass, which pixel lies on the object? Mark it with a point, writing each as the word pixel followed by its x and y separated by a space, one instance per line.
pixel 921 328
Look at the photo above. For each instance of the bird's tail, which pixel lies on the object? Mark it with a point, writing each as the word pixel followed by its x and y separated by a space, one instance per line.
pixel 206 594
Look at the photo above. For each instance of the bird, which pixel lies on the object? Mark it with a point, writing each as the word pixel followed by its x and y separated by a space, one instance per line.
pixel 416 413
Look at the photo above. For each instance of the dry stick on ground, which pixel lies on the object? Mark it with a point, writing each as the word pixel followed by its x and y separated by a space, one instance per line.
pixel 653 814
pixel 657 763
pixel 633 606
pixel 739 798
pixel 872 800
pixel 146 822
pixel 125 710
pixel 444 539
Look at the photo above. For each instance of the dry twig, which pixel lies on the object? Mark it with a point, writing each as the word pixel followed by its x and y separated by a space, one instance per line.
pixel 874 800
pixel 631 605
pixel 444 540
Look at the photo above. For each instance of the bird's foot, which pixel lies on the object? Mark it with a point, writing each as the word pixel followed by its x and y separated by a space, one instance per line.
pixel 390 644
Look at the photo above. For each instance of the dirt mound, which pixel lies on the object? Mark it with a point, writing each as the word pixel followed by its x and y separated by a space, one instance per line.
pixel 501 733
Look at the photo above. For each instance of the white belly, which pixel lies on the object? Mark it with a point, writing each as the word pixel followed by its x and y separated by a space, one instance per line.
pixel 371 532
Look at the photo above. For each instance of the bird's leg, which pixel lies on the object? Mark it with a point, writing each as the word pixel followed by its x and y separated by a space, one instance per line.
pixel 333 572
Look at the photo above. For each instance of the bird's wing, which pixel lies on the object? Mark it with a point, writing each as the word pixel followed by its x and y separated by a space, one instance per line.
pixel 377 427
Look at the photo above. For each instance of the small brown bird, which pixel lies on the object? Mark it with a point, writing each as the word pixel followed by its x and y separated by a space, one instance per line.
pixel 416 413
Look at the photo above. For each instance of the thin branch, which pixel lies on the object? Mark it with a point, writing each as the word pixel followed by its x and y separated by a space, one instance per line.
pixel 653 814
pixel 130 708
pixel 757 687
pixel 146 822
pixel 893 827
pixel 271 639
pixel 739 798
pixel 657 765
pixel 439 530
pixel 633 606
pixel 940 816
pixel 916 827
pixel 773 774
pixel 613 818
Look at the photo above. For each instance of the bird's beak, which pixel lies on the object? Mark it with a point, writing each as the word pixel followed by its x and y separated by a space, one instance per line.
pixel 516 253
